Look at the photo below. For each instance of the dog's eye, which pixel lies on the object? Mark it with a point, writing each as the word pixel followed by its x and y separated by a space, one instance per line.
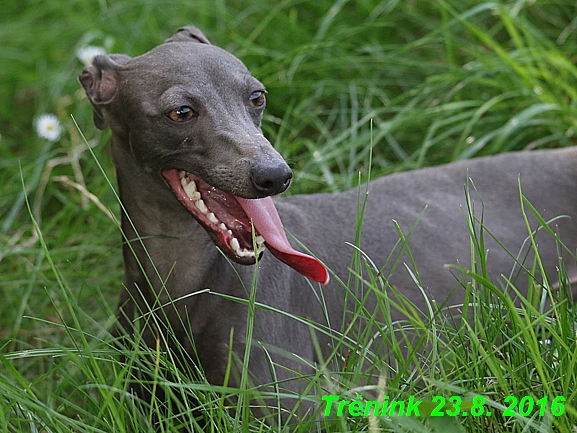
pixel 181 114
pixel 257 99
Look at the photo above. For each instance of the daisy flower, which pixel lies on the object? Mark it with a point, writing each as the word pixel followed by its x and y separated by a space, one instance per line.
pixel 48 127
pixel 87 54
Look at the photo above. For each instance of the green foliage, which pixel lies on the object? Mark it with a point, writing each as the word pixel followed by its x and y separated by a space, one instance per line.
pixel 354 88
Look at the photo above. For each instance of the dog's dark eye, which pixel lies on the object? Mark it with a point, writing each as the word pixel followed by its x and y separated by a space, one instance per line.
pixel 257 99
pixel 181 114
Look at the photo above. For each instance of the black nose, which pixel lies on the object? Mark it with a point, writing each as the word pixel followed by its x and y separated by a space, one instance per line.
pixel 270 178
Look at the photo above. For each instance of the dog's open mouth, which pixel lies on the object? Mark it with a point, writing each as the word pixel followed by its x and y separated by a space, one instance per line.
pixel 229 220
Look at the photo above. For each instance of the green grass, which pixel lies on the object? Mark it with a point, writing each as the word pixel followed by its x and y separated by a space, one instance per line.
pixel 416 83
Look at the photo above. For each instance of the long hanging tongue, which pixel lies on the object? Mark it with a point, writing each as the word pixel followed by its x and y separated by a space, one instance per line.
pixel 268 224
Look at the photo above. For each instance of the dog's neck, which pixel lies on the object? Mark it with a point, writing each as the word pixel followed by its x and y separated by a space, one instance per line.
pixel 151 208
pixel 169 245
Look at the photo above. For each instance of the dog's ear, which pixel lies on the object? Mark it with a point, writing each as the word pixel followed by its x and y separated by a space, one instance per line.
pixel 188 34
pixel 100 81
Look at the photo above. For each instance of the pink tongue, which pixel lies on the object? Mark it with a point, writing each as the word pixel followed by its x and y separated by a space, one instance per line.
pixel 268 224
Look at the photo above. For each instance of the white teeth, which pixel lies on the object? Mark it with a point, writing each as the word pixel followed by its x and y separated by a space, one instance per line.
pixel 235 245
pixel 259 240
pixel 244 253
pixel 201 206
pixel 190 189
pixel 192 193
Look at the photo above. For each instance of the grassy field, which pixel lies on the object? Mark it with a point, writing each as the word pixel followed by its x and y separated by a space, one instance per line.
pixel 417 82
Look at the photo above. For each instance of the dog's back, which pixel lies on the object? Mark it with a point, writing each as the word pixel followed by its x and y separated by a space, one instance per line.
pixel 431 207
pixel 434 208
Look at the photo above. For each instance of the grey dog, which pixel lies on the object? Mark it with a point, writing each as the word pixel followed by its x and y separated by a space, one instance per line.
pixel 196 177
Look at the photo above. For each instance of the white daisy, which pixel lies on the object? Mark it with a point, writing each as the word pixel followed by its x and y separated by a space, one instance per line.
pixel 87 54
pixel 48 127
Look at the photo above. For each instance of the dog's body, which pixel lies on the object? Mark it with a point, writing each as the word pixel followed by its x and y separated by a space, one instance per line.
pixel 156 139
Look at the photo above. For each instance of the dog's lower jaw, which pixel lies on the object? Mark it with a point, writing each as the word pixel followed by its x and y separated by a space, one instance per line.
pixel 219 213
pixel 233 222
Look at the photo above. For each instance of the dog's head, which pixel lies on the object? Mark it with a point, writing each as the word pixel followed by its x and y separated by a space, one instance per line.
pixel 189 105
pixel 189 114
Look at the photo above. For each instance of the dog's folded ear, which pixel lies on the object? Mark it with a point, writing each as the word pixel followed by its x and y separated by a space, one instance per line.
pixel 189 34
pixel 100 83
